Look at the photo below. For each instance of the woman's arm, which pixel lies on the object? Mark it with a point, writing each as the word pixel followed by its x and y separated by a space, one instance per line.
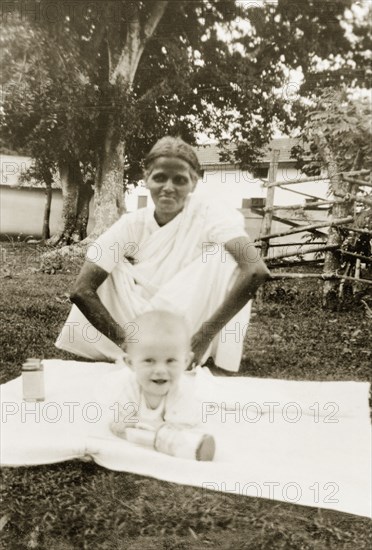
pixel 85 296
pixel 253 272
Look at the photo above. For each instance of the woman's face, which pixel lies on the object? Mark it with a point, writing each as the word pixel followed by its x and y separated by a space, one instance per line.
pixel 169 182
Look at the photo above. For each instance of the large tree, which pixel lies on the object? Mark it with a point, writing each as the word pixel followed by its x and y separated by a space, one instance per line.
pixel 45 113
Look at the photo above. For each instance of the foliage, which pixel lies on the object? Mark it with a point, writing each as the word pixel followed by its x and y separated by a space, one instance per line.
pixel 343 124
pixel 348 65
pixel 336 134
pixel 45 106
pixel 331 109
pixel 216 67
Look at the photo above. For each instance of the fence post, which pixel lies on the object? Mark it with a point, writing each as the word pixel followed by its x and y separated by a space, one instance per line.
pixel 268 216
pixel 338 210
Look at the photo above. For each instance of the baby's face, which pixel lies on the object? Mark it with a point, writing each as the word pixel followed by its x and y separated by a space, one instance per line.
pixel 158 363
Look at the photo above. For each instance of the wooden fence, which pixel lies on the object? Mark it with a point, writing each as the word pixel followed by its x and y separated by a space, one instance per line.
pixel 349 190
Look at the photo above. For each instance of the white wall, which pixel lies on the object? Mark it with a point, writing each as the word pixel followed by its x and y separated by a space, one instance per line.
pixel 22 208
pixel 22 211
pixel 232 186
pixel 283 197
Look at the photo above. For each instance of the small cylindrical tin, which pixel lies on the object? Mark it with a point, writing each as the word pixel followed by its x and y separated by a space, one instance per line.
pixel 184 442
pixel 33 380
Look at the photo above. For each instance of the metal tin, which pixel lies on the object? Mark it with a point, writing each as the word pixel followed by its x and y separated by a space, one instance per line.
pixel 33 380
pixel 184 442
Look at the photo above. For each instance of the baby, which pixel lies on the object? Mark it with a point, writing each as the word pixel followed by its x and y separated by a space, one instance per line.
pixel 156 388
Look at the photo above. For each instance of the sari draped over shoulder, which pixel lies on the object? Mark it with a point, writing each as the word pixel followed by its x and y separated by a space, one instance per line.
pixel 172 272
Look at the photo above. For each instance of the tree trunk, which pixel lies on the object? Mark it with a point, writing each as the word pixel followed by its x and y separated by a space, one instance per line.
pixel 85 194
pixel 45 233
pixel 109 192
pixel 71 180
pixel 332 262
pixel 268 216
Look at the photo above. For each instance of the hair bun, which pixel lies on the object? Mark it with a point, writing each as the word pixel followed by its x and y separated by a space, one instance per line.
pixel 169 146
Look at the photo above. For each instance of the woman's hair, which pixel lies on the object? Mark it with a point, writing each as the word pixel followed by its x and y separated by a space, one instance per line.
pixel 169 146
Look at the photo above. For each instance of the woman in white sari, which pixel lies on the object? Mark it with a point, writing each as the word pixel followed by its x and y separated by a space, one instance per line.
pixel 184 254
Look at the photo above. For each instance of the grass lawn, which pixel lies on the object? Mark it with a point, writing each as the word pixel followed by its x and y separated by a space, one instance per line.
pixel 78 505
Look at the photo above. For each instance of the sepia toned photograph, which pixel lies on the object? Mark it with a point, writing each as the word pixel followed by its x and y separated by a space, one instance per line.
pixel 186 274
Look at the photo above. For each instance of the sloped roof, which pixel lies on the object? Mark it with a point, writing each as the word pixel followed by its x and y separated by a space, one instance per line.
pixel 210 154
pixel 12 166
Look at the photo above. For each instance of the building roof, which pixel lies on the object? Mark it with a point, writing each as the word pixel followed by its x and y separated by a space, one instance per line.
pixel 210 154
pixel 13 166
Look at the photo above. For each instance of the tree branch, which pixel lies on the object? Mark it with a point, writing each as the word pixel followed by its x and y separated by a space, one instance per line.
pixel 155 14
pixel 137 37
pixel 158 86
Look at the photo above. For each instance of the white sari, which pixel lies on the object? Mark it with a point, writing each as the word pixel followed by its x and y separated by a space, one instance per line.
pixel 181 266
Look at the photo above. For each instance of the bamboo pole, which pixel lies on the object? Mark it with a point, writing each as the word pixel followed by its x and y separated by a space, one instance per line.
pixel 358 230
pixel 356 286
pixel 297 243
pixel 329 203
pixel 358 182
pixel 296 181
pixel 316 178
pixel 281 264
pixel 300 193
pixel 323 276
pixel 356 198
pixel 311 250
pixel 291 223
pixel 367 259
pixel 351 189
pixel 302 228
pixel 303 206
pixel 362 172
pixel 267 220
pixel 342 284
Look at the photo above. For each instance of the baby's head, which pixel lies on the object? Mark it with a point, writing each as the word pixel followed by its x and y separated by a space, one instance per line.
pixel 161 352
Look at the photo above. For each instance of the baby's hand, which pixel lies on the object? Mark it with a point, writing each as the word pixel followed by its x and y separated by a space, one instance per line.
pixel 118 428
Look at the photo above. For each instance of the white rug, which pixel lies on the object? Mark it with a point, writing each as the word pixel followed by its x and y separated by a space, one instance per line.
pixel 300 442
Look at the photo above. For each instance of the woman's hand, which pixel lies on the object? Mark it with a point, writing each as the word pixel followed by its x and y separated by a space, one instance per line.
pixel 131 260
pixel 85 297
pixel 200 342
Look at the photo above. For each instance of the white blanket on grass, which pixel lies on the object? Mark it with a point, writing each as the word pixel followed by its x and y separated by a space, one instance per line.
pixel 301 442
